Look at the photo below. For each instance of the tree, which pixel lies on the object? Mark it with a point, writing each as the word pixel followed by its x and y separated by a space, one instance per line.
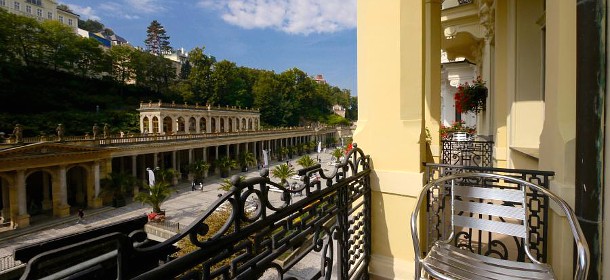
pixel 58 44
pixel 154 195
pixel 116 184
pixel 200 76
pixel 90 25
pixel 157 41
pixel 122 63
pixel 283 172
pixel 225 164
pixel 246 159
pixel 199 169
pixel 306 161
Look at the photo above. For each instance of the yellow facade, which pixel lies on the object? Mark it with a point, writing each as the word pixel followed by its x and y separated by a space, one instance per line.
pixel 41 10
pixel 526 52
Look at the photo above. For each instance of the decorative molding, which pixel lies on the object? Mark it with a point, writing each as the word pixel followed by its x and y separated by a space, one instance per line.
pixel 487 17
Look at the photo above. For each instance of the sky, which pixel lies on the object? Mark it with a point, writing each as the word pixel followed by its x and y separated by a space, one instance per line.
pixel 316 36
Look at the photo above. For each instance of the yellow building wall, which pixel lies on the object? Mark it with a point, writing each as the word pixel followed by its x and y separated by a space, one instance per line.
pixel 391 122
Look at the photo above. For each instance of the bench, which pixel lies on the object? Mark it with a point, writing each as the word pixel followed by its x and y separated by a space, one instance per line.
pixel 498 208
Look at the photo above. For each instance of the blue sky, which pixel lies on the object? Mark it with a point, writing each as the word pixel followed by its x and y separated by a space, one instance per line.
pixel 316 36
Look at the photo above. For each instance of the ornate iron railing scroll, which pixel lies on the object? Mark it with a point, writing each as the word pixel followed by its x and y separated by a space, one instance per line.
pixel 485 243
pixel 260 233
pixel 468 153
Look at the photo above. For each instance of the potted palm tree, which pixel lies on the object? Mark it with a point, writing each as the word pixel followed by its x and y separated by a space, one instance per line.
pixel 283 172
pixel 306 161
pixel 282 153
pixel 225 164
pixel 154 196
pixel 169 176
pixel 117 184
pixel 245 160
pixel 337 154
pixel 199 170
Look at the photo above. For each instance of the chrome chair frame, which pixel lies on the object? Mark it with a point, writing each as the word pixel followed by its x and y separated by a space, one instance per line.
pixel 446 251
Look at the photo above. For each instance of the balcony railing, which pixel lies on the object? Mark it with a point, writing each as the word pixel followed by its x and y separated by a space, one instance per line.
pixel 467 153
pixel 484 243
pixel 232 239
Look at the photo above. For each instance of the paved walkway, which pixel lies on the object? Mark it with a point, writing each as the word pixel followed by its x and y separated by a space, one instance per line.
pixel 182 207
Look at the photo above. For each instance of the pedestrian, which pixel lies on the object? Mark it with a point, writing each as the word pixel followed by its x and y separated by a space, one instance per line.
pixel 81 216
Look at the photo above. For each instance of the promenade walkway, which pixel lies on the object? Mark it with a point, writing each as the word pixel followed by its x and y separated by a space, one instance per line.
pixel 183 207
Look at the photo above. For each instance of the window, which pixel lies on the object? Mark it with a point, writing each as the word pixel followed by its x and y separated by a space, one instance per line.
pixel 2 3
pixel 28 9
pixel 35 2
pixel 17 6
pixel 61 19
pixel 39 12
pixel 70 21
pixel 50 15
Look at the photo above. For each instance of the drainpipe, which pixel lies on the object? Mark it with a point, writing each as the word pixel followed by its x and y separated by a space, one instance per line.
pixel 590 92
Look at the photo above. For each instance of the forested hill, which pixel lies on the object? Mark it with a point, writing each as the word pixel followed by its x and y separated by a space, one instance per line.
pixel 40 98
pixel 46 75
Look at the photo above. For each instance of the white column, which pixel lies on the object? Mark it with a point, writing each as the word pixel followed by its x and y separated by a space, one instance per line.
pixel 63 187
pixel 134 166
pixel 174 165
pixel 205 154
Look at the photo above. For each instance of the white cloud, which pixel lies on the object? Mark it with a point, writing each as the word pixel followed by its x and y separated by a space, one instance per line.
pixel 146 6
pixel 84 12
pixel 290 16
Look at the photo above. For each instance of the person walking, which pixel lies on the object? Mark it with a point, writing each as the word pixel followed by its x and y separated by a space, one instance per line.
pixel 81 216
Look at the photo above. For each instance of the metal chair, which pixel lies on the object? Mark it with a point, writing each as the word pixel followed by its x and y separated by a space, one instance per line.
pixel 491 208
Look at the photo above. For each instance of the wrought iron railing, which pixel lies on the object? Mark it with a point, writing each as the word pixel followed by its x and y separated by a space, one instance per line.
pixel 8 262
pixel 482 242
pixel 232 239
pixel 468 153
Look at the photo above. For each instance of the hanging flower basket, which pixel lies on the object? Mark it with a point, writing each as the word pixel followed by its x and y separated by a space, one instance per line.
pixel 471 97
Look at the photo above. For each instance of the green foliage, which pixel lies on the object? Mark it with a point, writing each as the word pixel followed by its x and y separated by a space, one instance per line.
pixel 226 184
pixel 165 175
pixel 306 161
pixel 337 120
pixel 224 164
pixel 154 195
pixel 283 172
pixel 117 184
pixel 337 153
pixel 246 159
pixel 199 169
pixel 157 41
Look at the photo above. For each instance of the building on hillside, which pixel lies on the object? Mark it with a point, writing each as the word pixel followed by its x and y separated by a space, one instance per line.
pixel 319 79
pixel 178 57
pixel 339 110
pixel 543 63
pixel 41 10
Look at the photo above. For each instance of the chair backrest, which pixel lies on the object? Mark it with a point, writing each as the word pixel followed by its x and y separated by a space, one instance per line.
pixel 489 209
pixel 460 136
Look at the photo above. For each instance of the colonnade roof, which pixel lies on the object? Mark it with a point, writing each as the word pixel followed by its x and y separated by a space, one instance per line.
pixel 48 154
pixel 158 106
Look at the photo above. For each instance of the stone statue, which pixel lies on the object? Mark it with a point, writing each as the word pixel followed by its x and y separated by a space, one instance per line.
pixel 18 133
pixel 96 131
pixel 106 130
pixel 60 132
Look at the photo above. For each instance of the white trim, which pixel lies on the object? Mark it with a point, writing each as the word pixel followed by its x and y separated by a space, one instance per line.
pixel 391 268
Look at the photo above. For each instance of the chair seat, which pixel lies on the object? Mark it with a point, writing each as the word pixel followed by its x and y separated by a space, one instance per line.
pixel 449 262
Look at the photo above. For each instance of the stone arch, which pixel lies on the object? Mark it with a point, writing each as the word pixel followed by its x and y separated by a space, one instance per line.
pixel 192 125
pixel 213 121
pixel 222 124
pixel 230 125
pixel 203 125
pixel 255 124
pixel 181 125
pixel 39 192
pixel 145 124
pixel 168 125
pixel 243 124
pixel 76 183
pixel 249 124
pixel 155 124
